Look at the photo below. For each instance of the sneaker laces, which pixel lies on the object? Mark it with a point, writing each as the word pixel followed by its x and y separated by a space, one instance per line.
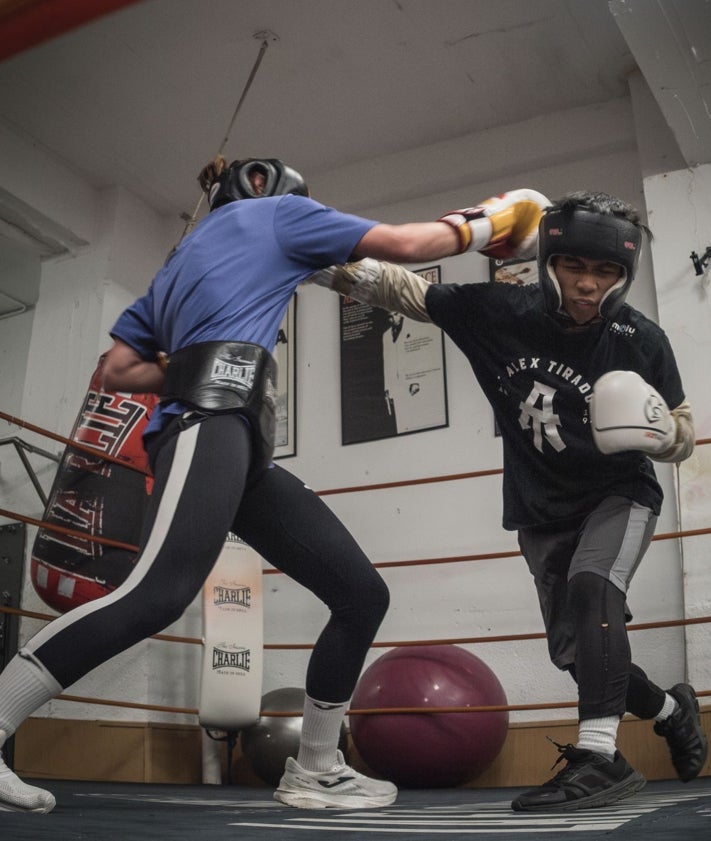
pixel 670 729
pixel 565 752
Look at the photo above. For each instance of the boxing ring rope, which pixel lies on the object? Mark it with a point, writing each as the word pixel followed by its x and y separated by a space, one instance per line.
pixel 69 442
pixel 272 571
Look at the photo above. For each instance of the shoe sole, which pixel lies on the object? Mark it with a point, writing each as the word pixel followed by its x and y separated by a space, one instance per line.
pixel 631 785
pixel 302 800
pixel 42 810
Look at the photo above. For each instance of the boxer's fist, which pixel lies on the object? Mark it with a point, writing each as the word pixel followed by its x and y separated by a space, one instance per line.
pixel 504 227
pixel 628 414
pixel 355 280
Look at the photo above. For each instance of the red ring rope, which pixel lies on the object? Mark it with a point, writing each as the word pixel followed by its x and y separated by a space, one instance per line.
pixel 305 646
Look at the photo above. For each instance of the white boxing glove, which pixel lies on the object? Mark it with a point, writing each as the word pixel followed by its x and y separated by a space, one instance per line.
pixel 628 414
pixel 504 227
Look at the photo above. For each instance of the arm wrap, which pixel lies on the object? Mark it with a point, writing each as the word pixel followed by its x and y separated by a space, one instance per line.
pixel 378 284
pixel 683 446
pixel 398 290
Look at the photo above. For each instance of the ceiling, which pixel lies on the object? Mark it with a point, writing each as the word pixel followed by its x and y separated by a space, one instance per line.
pixel 142 96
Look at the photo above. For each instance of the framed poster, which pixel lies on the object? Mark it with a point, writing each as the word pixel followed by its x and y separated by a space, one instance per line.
pixel 285 355
pixel 520 272
pixel 392 372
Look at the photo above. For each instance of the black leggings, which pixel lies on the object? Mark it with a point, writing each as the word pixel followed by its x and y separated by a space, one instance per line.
pixel 609 683
pixel 602 651
pixel 582 570
pixel 202 490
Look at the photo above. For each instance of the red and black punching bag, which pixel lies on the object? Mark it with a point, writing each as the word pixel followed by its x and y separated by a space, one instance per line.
pixel 97 497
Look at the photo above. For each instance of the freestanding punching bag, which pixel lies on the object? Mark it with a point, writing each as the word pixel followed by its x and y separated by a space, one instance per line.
pixel 232 652
pixel 233 637
pixel 97 497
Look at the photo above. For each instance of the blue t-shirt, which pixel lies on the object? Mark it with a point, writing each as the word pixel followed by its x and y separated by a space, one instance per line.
pixel 232 278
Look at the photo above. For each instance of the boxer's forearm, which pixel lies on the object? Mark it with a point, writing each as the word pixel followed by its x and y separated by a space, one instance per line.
pixel 378 284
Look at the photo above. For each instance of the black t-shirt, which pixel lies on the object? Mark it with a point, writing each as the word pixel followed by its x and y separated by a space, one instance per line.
pixel 538 377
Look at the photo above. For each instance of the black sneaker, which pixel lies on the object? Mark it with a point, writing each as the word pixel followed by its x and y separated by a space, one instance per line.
pixel 682 730
pixel 589 779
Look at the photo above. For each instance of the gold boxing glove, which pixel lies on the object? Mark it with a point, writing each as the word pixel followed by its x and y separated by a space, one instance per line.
pixel 504 227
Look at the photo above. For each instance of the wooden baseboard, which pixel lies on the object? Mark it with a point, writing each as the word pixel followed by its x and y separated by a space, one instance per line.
pixel 51 748
pixel 69 749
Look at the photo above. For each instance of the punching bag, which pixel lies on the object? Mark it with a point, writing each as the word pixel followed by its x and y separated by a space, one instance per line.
pixel 96 497
pixel 233 639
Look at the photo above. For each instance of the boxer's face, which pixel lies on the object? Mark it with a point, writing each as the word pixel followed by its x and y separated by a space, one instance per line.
pixel 583 284
pixel 257 180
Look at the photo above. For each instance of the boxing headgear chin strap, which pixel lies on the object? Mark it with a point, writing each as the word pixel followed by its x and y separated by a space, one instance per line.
pixel 582 233
pixel 235 182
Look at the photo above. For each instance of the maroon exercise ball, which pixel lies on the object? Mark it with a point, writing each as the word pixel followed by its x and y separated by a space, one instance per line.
pixel 429 750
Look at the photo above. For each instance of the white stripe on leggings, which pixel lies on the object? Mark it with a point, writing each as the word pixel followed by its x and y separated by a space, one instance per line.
pixel 182 459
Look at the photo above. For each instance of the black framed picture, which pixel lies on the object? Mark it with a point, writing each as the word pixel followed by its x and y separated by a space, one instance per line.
pixel 392 372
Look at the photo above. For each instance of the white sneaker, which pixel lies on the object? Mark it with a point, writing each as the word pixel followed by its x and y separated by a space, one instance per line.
pixel 16 796
pixel 339 788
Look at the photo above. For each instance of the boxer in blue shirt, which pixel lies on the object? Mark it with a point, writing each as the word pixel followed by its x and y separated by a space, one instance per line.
pixel 213 311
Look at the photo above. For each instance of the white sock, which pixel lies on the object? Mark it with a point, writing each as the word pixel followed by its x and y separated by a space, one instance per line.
pixel 24 686
pixel 670 707
pixel 599 735
pixel 320 732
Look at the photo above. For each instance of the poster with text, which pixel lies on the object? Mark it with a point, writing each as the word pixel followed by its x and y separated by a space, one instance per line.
pixel 392 372
pixel 285 400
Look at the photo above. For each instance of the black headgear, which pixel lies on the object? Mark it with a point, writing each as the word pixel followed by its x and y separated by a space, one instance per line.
pixel 234 182
pixel 597 236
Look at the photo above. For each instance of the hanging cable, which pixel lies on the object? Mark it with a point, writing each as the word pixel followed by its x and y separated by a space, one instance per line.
pixel 266 36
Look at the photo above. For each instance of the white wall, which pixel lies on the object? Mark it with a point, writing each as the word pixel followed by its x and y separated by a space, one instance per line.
pixel 19 281
pixel 20 271
pixel 83 290
pixel 680 209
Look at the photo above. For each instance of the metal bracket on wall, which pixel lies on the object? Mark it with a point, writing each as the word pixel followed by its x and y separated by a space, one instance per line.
pixel 22 447
pixel 17 307
pixel 700 262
